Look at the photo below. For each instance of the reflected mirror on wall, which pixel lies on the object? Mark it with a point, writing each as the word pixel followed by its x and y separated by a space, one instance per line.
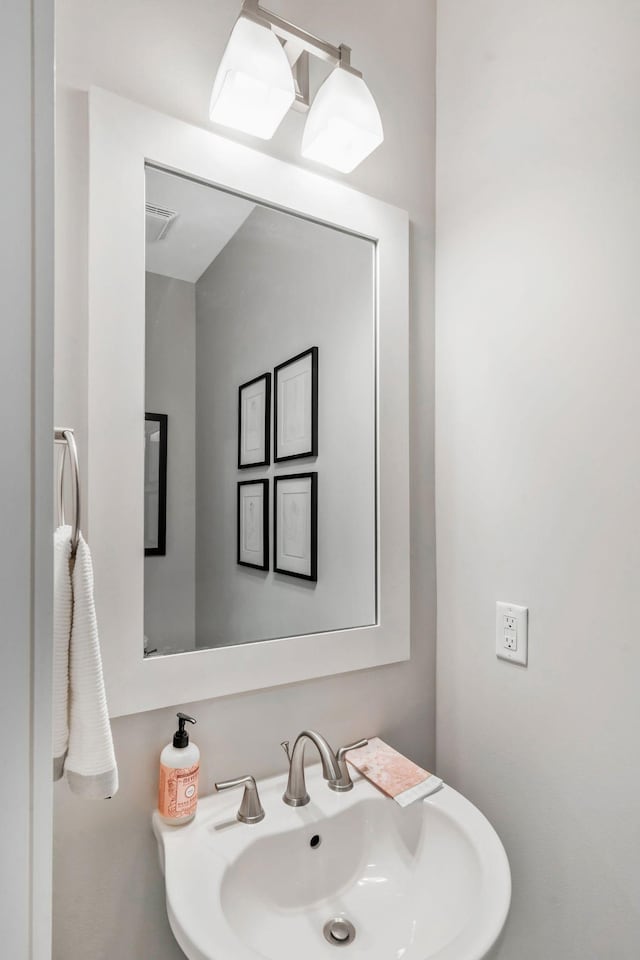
pixel 242 301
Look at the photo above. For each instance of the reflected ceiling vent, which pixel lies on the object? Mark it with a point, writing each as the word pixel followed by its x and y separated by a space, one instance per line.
pixel 158 221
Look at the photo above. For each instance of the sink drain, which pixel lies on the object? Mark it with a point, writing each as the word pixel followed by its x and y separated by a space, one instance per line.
pixel 339 932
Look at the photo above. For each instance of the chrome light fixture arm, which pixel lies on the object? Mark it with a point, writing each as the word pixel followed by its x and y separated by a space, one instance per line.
pixel 300 40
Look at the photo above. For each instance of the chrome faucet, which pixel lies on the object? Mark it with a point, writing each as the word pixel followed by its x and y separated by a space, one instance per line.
pixel 296 793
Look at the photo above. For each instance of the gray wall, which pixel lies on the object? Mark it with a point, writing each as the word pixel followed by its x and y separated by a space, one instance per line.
pixel 538 459
pixel 108 889
pixel 280 286
pixel 169 581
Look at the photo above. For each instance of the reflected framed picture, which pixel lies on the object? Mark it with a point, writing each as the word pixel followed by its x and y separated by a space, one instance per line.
pixel 155 484
pixel 253 524
pixel 296 407
pixel 295 525
pixel 254 422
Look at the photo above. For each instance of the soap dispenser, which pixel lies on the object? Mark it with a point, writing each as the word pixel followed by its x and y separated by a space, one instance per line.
pixel 179 770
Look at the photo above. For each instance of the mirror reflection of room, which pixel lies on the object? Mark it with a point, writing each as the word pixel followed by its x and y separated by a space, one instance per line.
pixel 260 355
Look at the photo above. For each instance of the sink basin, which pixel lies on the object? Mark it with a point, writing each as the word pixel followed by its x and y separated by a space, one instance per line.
pixel 427 881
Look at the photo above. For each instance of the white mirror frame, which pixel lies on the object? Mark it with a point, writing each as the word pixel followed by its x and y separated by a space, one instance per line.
pixel 123 136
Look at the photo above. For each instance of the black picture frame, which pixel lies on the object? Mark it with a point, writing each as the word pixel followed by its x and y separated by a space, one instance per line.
pixel 265 523
pixel 162 420
pixel 312 450
pixel 267 423
pixel 313 525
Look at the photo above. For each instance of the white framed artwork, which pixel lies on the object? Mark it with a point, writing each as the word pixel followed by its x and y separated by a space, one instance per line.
pixel 254 415
pixel 295 525
pixel 296 407
pixel 253 524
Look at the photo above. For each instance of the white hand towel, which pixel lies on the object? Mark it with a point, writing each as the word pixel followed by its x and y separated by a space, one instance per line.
pixel 90 763
pixel 62 605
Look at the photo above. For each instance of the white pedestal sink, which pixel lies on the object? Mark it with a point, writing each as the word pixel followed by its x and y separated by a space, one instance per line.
pixel 427 882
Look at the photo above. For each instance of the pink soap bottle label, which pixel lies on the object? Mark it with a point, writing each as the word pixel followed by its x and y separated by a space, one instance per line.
pixel 178 791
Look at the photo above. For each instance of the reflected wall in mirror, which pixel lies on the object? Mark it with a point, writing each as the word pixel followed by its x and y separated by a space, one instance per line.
pixel 235 291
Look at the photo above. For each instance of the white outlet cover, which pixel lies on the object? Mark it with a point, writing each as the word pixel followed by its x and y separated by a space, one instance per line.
pixel 506 613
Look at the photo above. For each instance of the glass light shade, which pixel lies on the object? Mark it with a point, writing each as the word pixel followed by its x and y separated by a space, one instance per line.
pixel 344 125
pixel 254 85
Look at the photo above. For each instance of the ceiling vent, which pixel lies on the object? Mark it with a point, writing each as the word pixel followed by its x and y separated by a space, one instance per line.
pixel 158 222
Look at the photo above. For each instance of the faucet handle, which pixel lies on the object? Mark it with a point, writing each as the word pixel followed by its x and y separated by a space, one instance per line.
pixel 345 782
pixel 351 746
pixel 251 810
pixel 285 747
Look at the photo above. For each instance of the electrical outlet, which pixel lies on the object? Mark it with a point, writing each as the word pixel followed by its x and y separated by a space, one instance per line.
pixel 512 640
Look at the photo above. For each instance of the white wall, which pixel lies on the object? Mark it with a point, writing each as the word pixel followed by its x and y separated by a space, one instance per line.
pixel 170 387
pixel 538 462
pixel 281 285
pixel 108 890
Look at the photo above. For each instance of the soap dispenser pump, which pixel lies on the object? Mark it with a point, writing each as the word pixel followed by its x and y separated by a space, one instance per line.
pixel 179 771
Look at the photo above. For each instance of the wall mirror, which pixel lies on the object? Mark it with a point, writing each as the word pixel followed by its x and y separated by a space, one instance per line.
pixel 260 352
pixel 258 314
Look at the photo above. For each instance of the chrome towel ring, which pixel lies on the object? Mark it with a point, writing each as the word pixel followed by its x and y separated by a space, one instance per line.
pixel 65 436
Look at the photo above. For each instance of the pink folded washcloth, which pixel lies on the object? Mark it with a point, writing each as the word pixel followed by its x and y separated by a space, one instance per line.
pixel 392 773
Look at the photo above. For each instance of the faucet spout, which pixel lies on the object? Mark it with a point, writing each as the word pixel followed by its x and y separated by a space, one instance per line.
pixel 296 793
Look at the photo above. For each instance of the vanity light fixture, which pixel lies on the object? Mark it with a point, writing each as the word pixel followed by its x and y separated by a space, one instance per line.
pixel 265 70
pixel 344 125
pixel 254 85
